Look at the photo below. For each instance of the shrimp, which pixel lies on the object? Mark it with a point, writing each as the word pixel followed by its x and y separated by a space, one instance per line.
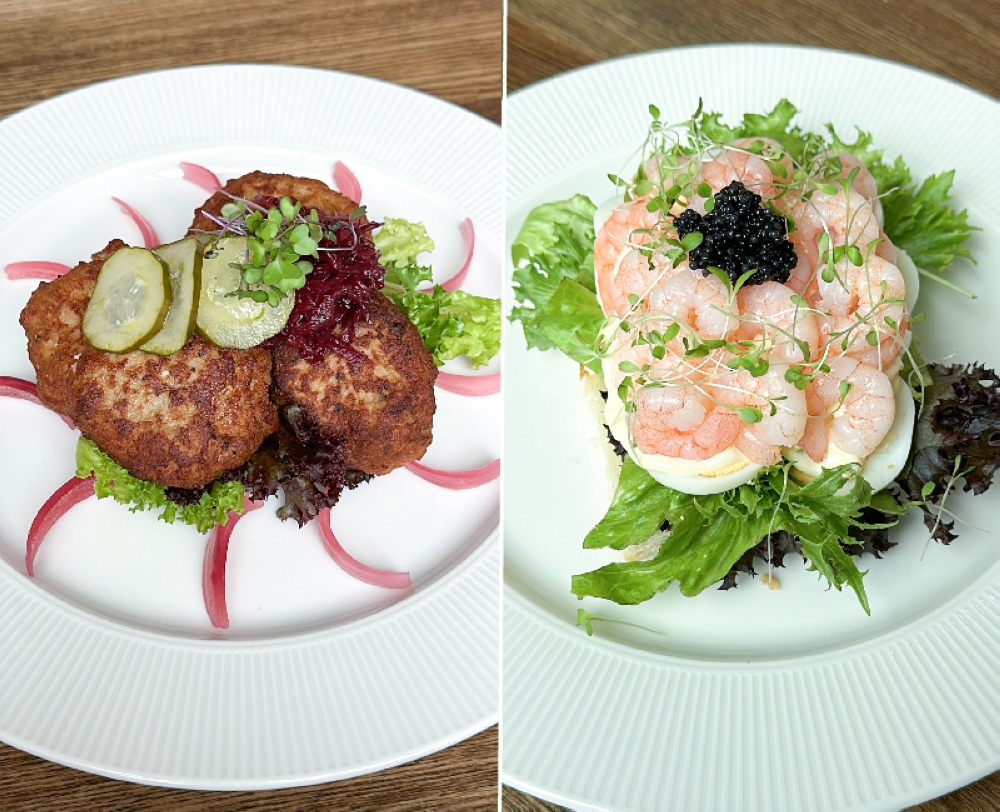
pixel 733 163
pixel 864 182
pixel 698 301
pixel 660 168
pixel 630 343
pixel 859 423
pixel 846 216
pixel 770 150
pixel 858 300
pixel 781 404
pixel 619 268
pixel 807 255
pixel 885 248
pixel 768 314
pixel 681 421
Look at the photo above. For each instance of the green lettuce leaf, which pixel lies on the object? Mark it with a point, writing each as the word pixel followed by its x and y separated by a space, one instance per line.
pixel 572 320
pixel 555 243
pixel 453 323
pixel 111 479
pixel 638 508
pixel 399 242
pixel 709 534
pixel 922 222
pixel 776 124
pixel 450 323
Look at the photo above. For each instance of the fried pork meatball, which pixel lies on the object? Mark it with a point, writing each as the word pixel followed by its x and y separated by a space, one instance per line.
pixel 51 321
pixel 311 193
pixel 180 420
pixel 384 410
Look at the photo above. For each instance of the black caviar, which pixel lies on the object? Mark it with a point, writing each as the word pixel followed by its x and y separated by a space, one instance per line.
pixel 739 235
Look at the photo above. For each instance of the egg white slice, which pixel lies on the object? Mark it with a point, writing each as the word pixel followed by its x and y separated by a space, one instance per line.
pixel 911 279
pixel 886 462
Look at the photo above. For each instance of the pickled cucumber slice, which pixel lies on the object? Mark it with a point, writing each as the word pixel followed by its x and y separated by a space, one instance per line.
pixel 183 260
pixel 228 321
pixel 130 301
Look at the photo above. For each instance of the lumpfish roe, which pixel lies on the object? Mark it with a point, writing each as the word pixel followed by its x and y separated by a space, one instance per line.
pixel 740 235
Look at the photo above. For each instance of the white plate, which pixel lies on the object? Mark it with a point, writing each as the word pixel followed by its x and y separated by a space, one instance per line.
pixel 746 699
pixel 109 661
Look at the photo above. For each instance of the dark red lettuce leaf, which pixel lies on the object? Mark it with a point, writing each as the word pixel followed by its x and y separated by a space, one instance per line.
pixel 960 419
pixel 308 468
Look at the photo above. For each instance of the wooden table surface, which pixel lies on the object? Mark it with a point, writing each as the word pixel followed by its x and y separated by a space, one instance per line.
pixel 50 46
pixel 959 40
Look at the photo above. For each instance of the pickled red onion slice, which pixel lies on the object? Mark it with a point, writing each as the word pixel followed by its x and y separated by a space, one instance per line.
pixel 475 385
pixel 71 493
pixel 347 182
pixel 149 238
pixel 19 388
pixel 33 269
pixel 213 572
pixel 457 480
pixel 469 234
pixel 353 567
pixel 25 390
pixel 200 176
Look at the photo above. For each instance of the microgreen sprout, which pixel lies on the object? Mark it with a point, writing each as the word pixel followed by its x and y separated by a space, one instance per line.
pixel 585 619
pixel 939 509
pixel 278 241
pixel 283 244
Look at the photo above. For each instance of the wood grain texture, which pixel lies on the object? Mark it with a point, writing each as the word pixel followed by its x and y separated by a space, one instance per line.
pixel 451 50
pixel 461 777
pixel 958 40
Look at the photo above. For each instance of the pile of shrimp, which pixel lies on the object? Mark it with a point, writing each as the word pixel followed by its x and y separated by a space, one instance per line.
pixel 703 365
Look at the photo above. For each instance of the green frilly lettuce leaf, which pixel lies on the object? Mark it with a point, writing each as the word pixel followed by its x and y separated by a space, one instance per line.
pixel 776 124
pixel 708 534
pixel 111 479
pixel 450 323
pixel 555 243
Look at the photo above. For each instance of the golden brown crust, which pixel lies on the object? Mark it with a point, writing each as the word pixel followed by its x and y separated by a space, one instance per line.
pixel 180 420
pixel 311 193
pixel 385 410
pixel 51 321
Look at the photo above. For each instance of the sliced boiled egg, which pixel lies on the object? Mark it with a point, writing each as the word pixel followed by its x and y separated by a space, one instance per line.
pixel 886 462
pixel 911 278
